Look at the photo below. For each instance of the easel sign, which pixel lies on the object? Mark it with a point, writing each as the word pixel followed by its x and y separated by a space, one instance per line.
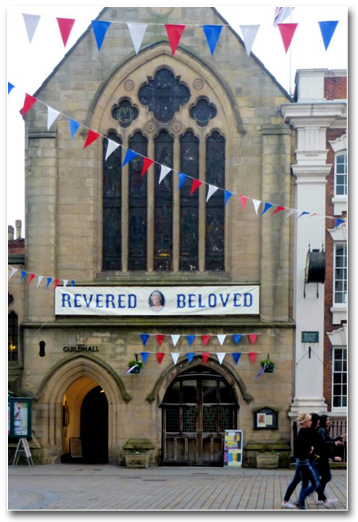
pixel 23 446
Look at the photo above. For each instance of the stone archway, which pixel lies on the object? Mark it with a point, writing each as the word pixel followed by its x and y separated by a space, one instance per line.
pixel 48 412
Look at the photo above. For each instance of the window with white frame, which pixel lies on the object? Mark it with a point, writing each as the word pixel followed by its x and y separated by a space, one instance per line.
pixel 340 274
pixel 339 377
pixel 340 178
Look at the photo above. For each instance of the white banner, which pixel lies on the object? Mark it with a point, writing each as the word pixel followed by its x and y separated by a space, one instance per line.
pixel 187 300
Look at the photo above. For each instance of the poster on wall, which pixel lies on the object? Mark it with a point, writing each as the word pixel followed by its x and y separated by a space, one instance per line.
pixel 20 417
pixel 183 300
pixel 233 446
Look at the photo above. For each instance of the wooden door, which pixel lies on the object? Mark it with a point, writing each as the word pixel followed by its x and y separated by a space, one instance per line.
pixel 197 409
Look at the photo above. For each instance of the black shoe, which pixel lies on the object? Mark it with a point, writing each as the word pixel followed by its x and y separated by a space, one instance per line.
pixel 299 506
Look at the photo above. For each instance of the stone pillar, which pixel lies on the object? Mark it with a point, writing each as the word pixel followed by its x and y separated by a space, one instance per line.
pixel 311 118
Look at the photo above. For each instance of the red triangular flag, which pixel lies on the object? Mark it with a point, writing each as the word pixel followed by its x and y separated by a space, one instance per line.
pixel 243 201
pixel 287 31
pixel 252 356
pixel 146 164
pixel 195 185
pixel 32 277
pixel 56 281
pixel 206 339
pixel 160 339
pixel 278 209
pixel 159 356
pixel 91 137
pixel 65 25
pixel 174 33
pixel 205 356
pixel 253 338
pixel 28 103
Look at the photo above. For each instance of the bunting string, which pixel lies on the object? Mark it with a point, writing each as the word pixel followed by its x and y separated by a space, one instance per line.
pixel 174 32
pixel 31 276
pixel 92 136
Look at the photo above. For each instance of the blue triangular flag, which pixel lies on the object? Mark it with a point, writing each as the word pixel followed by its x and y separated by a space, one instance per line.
pixel 236 356
pixel 327 30
pixel 145 356
pixel 227 196
pixel 23 273
pixel 266 207
pixel 182 178
pixel 10 87
pixel 145 338
pixel 237 338
pixel 212 33
pixel 99 29
pixel 190 356
pixel 74 126
pixel 190 339
pixel 49 279
pixel 302 214
pixel 73 282
pixel 339 222
pixel 130 154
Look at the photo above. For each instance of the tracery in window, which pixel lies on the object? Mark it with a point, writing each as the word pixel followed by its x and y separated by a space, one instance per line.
pixel 189 204
pixel 112 219
pixel 164 95
pixel 163 213
pixel 215 207
pixel 137 205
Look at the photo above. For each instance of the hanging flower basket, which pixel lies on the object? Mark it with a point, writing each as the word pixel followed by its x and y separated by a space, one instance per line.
pixel 268 365
pixel 134 366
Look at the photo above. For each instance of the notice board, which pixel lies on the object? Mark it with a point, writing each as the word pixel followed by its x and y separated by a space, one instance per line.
pixel 233 446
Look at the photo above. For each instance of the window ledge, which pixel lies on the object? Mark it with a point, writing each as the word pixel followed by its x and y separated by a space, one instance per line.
pixel 339 314
pixel 147 278
pixel 340 204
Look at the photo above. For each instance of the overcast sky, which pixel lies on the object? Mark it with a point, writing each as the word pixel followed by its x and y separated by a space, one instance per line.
pixel 28 65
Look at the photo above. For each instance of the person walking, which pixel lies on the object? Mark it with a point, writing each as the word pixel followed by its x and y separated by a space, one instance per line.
pixel 297 476
pixel 325 451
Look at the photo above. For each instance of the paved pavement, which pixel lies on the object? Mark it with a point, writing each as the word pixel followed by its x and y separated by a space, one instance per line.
pixel 79 487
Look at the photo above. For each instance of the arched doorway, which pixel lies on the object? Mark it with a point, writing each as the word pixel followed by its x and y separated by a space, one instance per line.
pixel 198 406
pixel 94 427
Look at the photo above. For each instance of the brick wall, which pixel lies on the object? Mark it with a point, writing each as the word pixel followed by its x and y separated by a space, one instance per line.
pixel 335 88
pixel 16 246
pixel 332 135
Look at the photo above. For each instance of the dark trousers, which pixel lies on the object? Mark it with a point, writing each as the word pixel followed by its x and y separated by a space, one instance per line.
pixel 309 479
pixel 324 472
pixel 297 479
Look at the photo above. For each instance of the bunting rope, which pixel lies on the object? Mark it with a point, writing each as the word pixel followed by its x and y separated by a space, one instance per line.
pixel 32 276
pixel 92 136
pixel 174 32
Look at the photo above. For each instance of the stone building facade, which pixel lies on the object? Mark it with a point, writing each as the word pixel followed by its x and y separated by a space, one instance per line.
pixel 111 229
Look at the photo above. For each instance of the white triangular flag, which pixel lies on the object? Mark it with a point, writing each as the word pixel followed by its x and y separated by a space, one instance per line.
pixel 291 212
pixel 52 114
pixel 211 190
pixel 175 357
pixel 249 33
pixel 221 339
pixel 256 204
pixel 221 356
pixel 39 280
pixel 175 339
pixel 31 22
pixel 13 271
pixel 65 281
pixel 164 171
pixel 112 146
pixel 137 32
